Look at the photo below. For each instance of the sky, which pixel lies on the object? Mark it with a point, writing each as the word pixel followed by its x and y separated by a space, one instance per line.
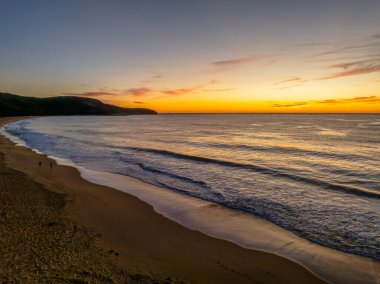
pixel 196 56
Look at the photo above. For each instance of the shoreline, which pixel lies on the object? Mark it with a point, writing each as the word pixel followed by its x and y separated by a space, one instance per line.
pixel 189 220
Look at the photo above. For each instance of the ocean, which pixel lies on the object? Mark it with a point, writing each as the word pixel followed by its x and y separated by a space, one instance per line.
pixel 317 176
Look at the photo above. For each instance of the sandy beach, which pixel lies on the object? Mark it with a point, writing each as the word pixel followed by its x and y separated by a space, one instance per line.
pixel 104 235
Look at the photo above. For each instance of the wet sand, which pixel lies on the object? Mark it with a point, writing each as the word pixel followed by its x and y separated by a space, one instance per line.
pixel 124 236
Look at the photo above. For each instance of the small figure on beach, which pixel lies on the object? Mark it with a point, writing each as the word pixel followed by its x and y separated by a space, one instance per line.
pixel 40 164
pixel 51 166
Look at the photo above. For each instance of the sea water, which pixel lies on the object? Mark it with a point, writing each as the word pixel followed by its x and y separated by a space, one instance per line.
pixel 317 176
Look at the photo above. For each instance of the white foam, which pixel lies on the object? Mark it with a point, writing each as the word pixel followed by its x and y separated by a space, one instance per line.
pixel 331 132
pixel 241 228
pixel 370 124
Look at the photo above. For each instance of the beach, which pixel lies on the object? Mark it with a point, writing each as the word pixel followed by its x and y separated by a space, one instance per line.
pixel 131 237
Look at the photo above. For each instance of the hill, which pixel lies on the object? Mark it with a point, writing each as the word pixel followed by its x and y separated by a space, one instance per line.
pixel 14 105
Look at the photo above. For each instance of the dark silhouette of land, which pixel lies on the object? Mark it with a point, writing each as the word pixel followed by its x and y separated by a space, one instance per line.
pixel 14 105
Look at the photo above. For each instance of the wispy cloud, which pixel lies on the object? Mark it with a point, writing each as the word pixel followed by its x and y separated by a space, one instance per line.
pixel 154 78
pixel 228 64
pixel 359 57
pixel 207 87
pixel 137 92
pixel 347 65
pixel 290 82
pixel 236 61
pixel 180 92
pixel 138 102
pixel 218 90
pixel 368 99
pixel 151 92
pixel 214 82
pixel 91 94
pixel 308 44
pixel 363 49
pixel 290 105
pixel 353 69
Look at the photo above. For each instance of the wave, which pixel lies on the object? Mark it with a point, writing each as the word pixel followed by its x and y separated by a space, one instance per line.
pixel 161 172
pixel 293 150
pixel 332 132
pixel 278 149
pixel 263 170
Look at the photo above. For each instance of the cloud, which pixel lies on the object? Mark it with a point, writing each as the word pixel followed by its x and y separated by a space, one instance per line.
pixel 153 78
pixel 215 82
pixel 138 102
pixel 176 92
pixel 225 65
pixel 179 92
pixel 157 76
pixel 236 61
pixel 196 89
pixel 295 104
pixel 364 49
pixel 309 44
pixel 352 69
pixel 365 59
pixel 157 93
pixel 270 61
pixel 294 79
pixel 218 90
pixel 369 99
pixel 290 82
pixel 359 57
pixel 347 65
pixel 91 94
pixel 137 92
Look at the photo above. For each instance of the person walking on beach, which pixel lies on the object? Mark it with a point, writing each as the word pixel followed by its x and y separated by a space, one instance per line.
pixel 39 166
pixel 51 167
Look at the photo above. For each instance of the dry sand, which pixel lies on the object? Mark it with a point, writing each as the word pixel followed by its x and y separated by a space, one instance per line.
pixel 101 232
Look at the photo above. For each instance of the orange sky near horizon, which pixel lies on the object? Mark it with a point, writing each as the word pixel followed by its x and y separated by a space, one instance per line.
pixel 351 94
pixel 333 77
pixel 263 107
